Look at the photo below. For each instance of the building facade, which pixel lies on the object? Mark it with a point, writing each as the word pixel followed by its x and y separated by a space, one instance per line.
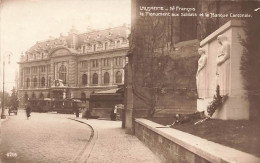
pixel 74 66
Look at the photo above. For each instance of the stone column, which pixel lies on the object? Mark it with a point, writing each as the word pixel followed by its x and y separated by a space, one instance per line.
pixel 111 80
pixel 123 70
pixel 89 75
pixel 99 72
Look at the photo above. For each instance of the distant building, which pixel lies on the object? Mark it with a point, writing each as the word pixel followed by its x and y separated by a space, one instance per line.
pixel 74 66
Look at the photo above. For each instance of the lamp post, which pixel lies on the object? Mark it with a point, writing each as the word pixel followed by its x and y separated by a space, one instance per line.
pixel 3 97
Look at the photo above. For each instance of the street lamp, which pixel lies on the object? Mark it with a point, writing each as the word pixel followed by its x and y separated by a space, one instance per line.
pixel 3 97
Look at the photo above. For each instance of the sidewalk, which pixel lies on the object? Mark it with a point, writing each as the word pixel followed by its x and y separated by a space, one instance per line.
pixel 111 144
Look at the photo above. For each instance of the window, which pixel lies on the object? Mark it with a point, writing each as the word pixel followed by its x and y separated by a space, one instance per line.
pixel 43 81
pixel 63 74
pixel 84 79
pixel 106 78
pixel 95 63
pixel 105 62
pixel 41 96
pixel 95 78
pixel 34 69
pixel 27 83
pixel 26 97
pixel 34 82
pixel 84 64
pixel 42 68
pixel 106 46
pixel 94 47
pixel 118 43
pixel 33 96
pixel 118 77
pixel 49 81
pixel 83 97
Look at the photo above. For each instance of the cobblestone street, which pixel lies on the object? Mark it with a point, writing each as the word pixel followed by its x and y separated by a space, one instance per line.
pixel 45 137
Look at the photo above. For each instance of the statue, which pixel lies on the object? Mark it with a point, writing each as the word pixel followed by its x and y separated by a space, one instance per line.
pixel 201 76
pixel 223 65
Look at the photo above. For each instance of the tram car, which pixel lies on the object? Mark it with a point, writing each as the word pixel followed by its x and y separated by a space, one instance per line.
pixel 67 106
pixel 40 105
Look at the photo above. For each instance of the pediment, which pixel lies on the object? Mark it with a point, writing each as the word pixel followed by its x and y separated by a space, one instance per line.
pixel 60 52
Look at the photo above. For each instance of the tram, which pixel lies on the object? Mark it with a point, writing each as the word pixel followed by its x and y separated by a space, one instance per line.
pixel 67 106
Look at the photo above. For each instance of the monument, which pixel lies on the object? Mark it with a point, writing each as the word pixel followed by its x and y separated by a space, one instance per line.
pixel 201 73
pixel 223 51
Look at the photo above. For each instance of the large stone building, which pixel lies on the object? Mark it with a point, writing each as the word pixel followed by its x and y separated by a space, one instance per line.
pixel 80 64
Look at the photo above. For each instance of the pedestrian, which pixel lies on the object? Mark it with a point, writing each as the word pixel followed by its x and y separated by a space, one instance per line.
pixel 77 112
pixel 28 111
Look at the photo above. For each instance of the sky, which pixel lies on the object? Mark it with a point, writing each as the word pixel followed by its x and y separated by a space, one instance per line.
pixel 24 22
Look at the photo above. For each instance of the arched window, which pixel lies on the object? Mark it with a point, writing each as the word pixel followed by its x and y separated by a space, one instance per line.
pixel 26 97
pixel 118 77
pixel 95 78
pixel 34 82
pixel 27 83
pixel 106 78
pixel 41 96
pixel 49 81
pixel 84 79
pixel 33 96
pixel 83 97
pixel 43 81
pixel 63 73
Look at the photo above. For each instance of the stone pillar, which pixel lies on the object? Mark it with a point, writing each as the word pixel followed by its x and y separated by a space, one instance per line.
pixel 123 70
pixel 89 75
pixel 236 106
pixel 111 80
pixel 99 72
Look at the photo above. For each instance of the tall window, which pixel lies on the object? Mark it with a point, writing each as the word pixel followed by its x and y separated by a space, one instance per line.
pixel 26 97
pixel 106 46
pixel 95 78
pixel 41 96
pixel 63 73
pixel 49 82
pixel 83 97
pixel 43 81
pixel 94 47
pixel 33 96
pixel 84 79
pixel 27 83
pixel 118 77
pixel 106 78
pixel 34 82
pixel 118 43
pixel 94 63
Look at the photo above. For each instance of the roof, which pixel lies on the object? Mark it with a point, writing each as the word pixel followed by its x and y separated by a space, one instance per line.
pixel 102 35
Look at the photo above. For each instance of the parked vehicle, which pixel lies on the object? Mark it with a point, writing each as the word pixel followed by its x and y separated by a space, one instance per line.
pixel 12 110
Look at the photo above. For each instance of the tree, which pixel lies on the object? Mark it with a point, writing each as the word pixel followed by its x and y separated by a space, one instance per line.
pixel 14 99
pixel 250 63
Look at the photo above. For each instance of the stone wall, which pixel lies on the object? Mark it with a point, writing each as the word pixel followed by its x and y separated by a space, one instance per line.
pixel 172 145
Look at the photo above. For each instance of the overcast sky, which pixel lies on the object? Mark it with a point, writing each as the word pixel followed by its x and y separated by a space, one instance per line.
pixel 23 22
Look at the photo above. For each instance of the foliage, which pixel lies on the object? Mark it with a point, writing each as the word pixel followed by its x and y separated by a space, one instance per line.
pixel 14 98
pixel 250 62
pixel 6 99
pixel 216 103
